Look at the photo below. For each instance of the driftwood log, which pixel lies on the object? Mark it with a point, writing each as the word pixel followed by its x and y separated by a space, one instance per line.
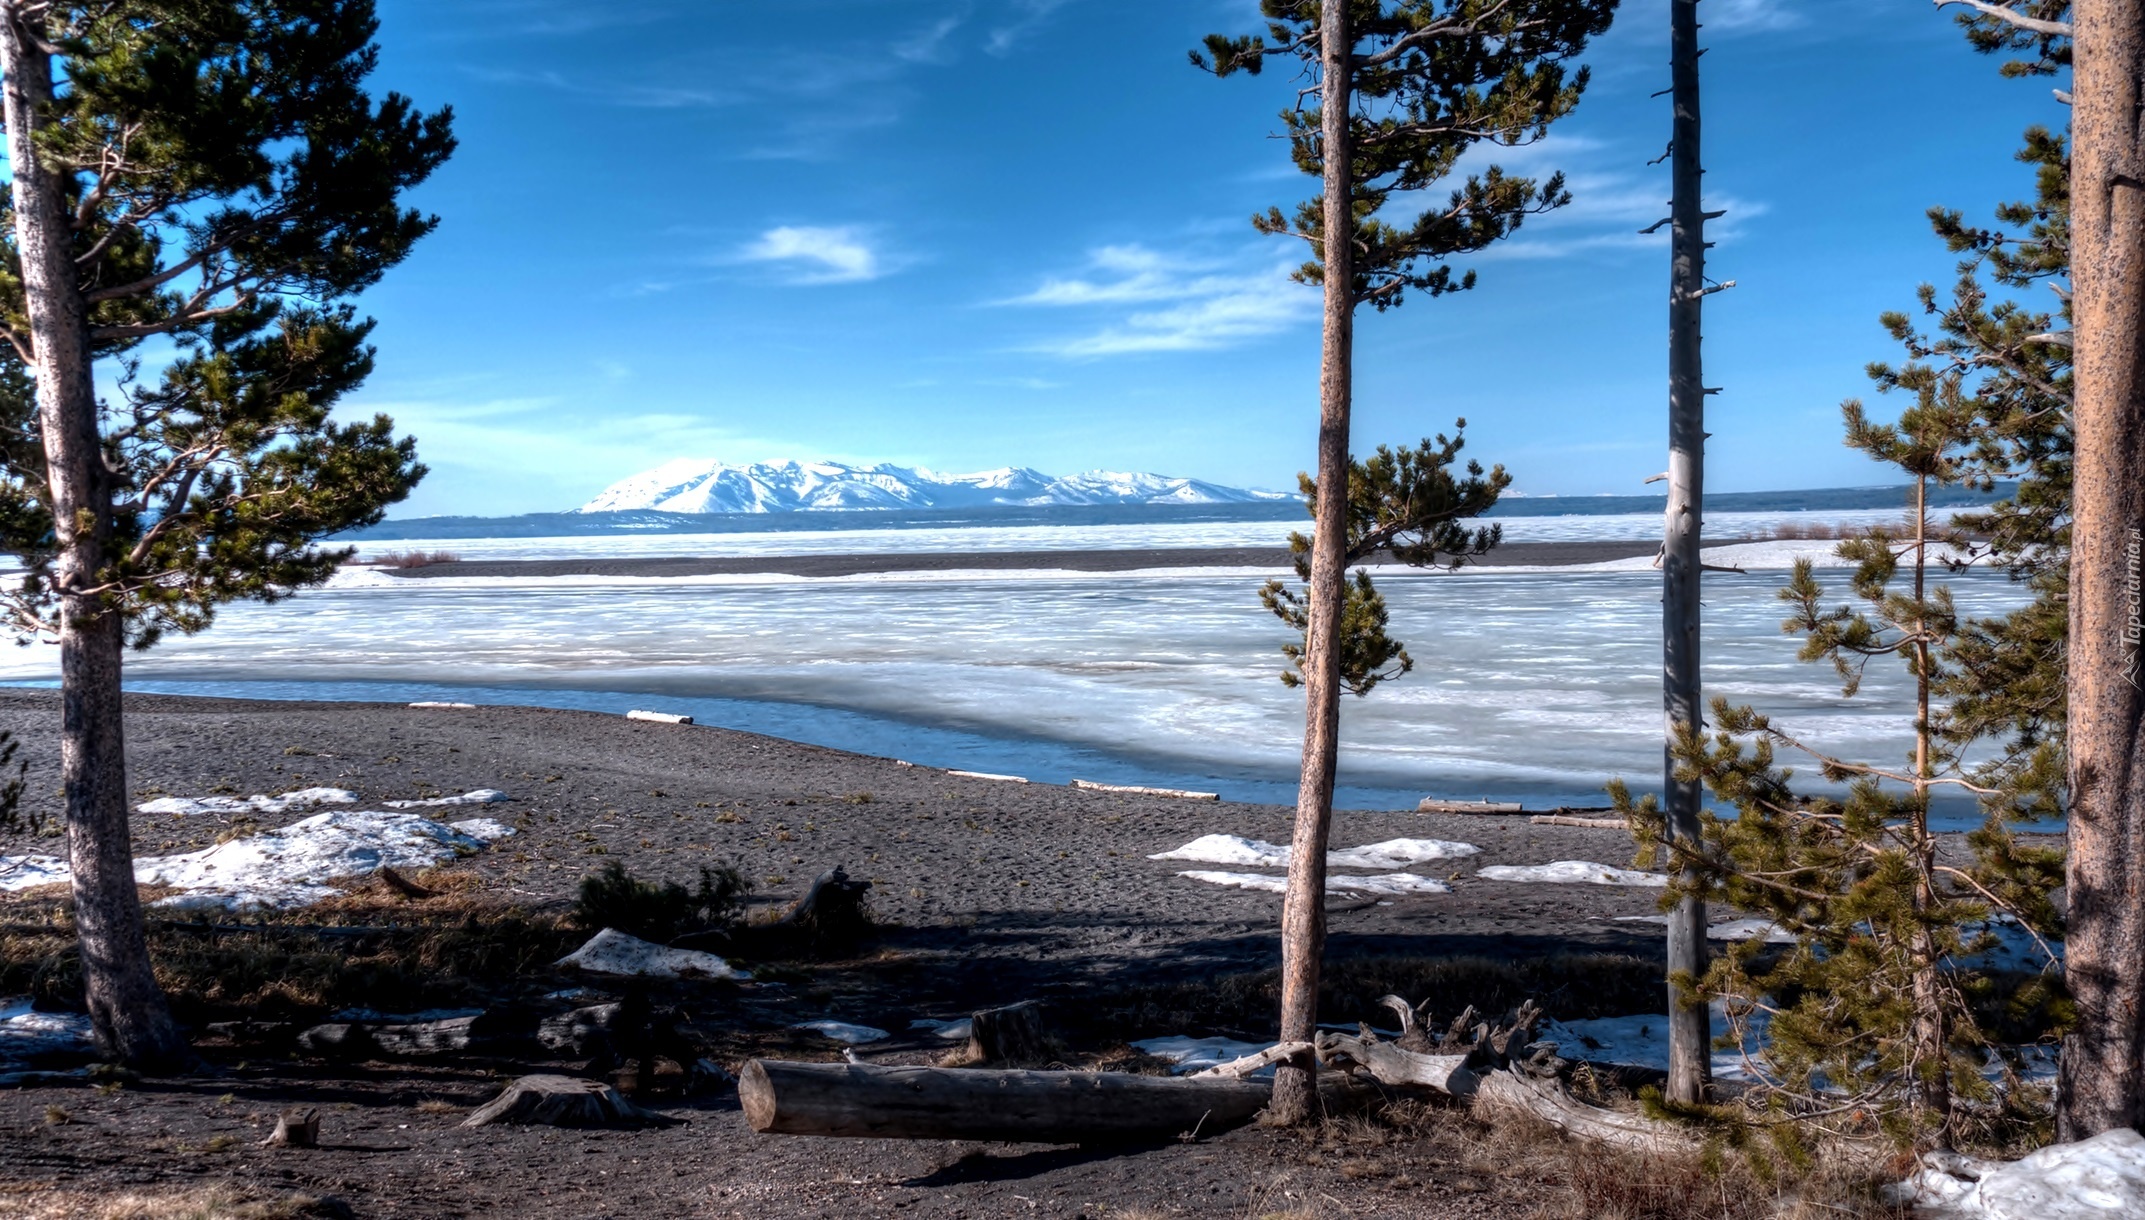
pixel 1390 1064
pixel 974 1104
pixel 295 1129
pixel 564 1101
pixel 1547 1100
pixel 485 1032
pixel 1560 819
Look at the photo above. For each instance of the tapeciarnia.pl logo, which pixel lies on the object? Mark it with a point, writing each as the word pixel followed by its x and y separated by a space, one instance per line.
pixel 2133 627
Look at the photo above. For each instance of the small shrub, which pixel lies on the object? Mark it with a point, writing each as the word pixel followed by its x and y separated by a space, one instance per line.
pixel 415 559
pixel 660 911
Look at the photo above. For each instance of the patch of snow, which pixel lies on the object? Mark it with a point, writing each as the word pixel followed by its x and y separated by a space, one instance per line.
pixel 375 1017
pixel 25 872
pixel 578 995
pixel 1197 1054
pixel 843 1032
pixel 1393 853
pixel 27 1036
pixel 1388 883
pixel 1728 929
pixel 293 866
pixel 949 1031
pixel 1570 872
pixel 1642 1041
pixel 439 703
pixel 484 830
pixel 613 952
pixel 2102 1178
pixel 288 867
pixel 1399 853
pixel 1241 881
pixel 478 796
pixel 303 798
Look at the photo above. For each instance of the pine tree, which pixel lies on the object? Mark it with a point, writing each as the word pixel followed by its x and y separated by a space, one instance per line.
pixel 1404 503
pixel 1403 88
pixel 1871 997
pixel 212 172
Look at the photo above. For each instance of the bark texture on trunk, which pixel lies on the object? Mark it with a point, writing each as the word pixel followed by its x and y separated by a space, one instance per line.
pixel 133 1022
pixel 2102 1078
pixel 1303 912
pixel 1689 1029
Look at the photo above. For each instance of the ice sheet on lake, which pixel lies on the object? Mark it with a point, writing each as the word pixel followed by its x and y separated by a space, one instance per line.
pixel 30 1037
pixel 842 1031
pixel 289 867
pixel 480 796
pixel 1393 853
pixel 303 798
pixel 1395 884
pixel 2016 948
pixel 1197 1054
pixel 613 952
pixel 2102 1178
pixel 1584 872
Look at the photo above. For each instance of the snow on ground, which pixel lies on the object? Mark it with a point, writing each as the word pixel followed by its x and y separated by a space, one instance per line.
pixel 1197 1054
pixel 842 1031
pixel 480 796
pixel 27 1037
pixel 1642 1041
pixel 948 1031
pixel 2102 1178
pixel 1728 929
pixel 1569 871
pixel 1387 883
pixel 1393 853
pixel 613 952
pixel 303 798
pixel 289 867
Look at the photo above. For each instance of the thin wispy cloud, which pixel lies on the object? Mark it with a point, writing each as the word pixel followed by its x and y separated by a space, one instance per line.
pixel 815 255
pixel 1200 306
pixel 1028 16
pixel 930 44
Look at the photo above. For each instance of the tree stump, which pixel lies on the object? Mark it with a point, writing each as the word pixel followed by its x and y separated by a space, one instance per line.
pixel 295 1129
pixel 1013 1034
pixel 564 1101
pixel 831 916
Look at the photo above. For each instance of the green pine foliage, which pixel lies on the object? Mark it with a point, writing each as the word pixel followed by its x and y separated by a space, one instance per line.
pixel 1410 504
pixel 1871 1010
pixel 231 183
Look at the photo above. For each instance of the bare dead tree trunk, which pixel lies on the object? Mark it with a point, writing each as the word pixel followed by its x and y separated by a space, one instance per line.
pixel 1303 912
pixel 1689 1029
pixel 2102 1084
pixel 133 1022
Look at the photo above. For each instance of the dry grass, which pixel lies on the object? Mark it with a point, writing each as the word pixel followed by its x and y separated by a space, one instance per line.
pixel 216 1201
pixel 436 952
pixel 1410 1143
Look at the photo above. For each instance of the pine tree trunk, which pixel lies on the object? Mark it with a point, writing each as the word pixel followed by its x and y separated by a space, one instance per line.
pixel 132 1020
pixel 2102 1084
pixel 1689 1026
pixel 1931 1026
pixel 1303 912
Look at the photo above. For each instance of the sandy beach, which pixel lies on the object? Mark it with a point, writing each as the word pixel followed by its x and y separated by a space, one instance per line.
pixel 989 892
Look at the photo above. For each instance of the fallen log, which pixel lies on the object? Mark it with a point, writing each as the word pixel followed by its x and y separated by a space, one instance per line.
pixel 1431 804
pixel 1389 1064
pixel 295 1129
pixel 564 1101
pixel 1559 819
pixel 1140 790
pixel 1278 1053
pixel 1547 1100
pixel 854 1099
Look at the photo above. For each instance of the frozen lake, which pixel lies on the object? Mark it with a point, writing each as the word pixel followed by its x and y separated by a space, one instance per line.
pixel 1536 685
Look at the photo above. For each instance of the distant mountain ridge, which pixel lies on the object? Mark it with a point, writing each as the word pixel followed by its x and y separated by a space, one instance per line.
pixel 697 485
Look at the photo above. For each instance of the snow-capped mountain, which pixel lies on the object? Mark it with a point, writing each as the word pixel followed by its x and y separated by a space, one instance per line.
pixel 697 485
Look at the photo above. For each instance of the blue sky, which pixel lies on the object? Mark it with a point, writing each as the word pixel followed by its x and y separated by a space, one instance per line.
pixel 972 233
